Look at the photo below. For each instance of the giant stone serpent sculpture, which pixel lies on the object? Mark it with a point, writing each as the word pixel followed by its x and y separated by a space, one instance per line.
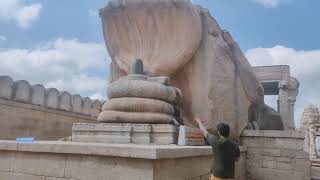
pixel 182 41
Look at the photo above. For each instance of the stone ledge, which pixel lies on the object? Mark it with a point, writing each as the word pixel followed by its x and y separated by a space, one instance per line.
pixel 116 150
pixel 273 134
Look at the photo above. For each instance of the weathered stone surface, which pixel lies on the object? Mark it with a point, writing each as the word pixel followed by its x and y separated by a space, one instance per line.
pixel 65 101
pixel 7 161
pixel 87 103
pixel 40 164
pixel 161 80
pixel 178 37
pixel 141 133
pixel 125 133
pixel 164 134
pixel 6 87
pixel 77 103
pixel 20 119
pixel 190 136
pixel 22 91
pixel 276 155
pixel 78 161
pixel 216 81
pixel 101 132
pixel 135 117
pixel 95 108
pixel 138 105
pixel 19 176
pixel 38 95
pixel 52 98
pixel 143 89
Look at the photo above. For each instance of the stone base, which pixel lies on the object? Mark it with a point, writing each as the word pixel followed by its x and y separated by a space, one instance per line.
pixel 125 133
pixel 101 161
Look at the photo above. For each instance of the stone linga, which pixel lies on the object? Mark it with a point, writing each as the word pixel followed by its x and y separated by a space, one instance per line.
pixel 184 42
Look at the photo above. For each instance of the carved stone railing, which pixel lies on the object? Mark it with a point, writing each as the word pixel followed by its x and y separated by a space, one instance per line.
pixel 22 91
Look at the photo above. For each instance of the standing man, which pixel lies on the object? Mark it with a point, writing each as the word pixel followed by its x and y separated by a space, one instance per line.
pixel 225 151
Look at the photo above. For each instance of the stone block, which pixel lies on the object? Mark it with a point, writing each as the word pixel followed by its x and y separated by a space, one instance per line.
pixel 302 155
pixel 273 142
pixel 87 103
pixel 195 178
pixel 19 176
pixel 289 153
pixel 255 163
pixel 101 132
pixel 22 91
pixel 65 101
pixel 55 178
pixel 6 87
pixel 140 133
pixel 302 165
pixel 124 133
pixel 101 167
pixel 315 172
pixel 270 174
pixel 38 95
pixel 205 177
pixel 164 134
pixel 41 164
pixel 98 127
pixel 52 98
pixel 77 103
pixel 277 165
pixel 190 136
pixel 264 151
pixel 7 161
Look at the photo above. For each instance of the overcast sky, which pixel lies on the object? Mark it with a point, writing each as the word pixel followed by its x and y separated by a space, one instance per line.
pixel 60 43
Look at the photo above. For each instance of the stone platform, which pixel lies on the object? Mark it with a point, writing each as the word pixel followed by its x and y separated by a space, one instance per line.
pixel 125 133
pixel 100 161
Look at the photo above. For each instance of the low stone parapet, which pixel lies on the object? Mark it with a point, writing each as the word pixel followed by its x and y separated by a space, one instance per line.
pixel 45 114
pixel 22 91
pixel 276 155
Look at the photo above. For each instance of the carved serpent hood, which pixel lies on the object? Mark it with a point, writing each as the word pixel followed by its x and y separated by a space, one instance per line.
pixel 164 33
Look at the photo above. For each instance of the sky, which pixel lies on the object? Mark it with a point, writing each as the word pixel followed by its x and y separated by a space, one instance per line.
pixel 60 43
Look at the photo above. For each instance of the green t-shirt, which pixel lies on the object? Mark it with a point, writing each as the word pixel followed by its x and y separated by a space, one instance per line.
pixel 225 153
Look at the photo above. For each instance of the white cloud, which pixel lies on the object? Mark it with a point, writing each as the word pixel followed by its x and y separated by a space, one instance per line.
pixel 68 65
pixel 269 3
pixel 97 96
pixel 18 11
pixel 3 38
pixel 93 13
pixel 305 65
pixel 301 62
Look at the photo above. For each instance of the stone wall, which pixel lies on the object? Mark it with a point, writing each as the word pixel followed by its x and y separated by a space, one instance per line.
pixel 46 114
pixel 276 155
pixel 95 161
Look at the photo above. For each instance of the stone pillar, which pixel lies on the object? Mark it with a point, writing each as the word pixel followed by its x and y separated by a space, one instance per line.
pixel 284 105
pixel 291 103
pixel 288 91
pixel 312 150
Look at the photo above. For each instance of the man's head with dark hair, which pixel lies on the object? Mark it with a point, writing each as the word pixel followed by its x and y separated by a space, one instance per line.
pixel 223 129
